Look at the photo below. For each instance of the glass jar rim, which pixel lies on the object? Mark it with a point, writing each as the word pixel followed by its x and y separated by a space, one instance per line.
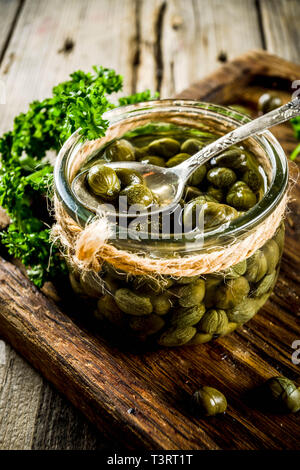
pixel 274 194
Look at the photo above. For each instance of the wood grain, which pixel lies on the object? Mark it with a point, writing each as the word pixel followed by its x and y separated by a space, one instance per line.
pixel 105 380
pixel 281 26
pixel 9 10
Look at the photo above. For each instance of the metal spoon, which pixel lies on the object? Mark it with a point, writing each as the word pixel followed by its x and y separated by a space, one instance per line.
pixel 168 183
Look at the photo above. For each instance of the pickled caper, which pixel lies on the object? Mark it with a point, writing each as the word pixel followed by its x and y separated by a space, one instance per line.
pixel 241 196
pixel 138 194
pixel 243 311
pixel 253 179
pixel 284 393
pixel 165 147
pixel 265 285
pixel 161 303
pixel 132 303
pixel 191 192
pixel 183 317
pixel 272 254
pixel 234 158
pixel 200 338
pixel 221 177
pixel 211 286
pixel 177 159
pixel 120 151
pixel 147 325
pixel 109 309
pixel 210 401
pixel 153 160
pixel 177 336
pixel 232 293
pixel 104 182
pixel 216 193
pixel 192 146
pixel 235 271
pixel 191 294
pixel 213 213
pixel 198 176
pixel 214 321
pixel 128 177
pixel 257 267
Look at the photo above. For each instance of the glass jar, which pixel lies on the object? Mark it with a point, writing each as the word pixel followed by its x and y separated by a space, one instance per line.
pixel 170 310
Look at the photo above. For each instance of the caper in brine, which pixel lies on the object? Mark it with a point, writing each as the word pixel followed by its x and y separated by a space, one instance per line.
pixel 235 271
pixel 177 159
pixel 109 309
pixel 153 160
pixel 221 177
pixel 104 182
pixel 128 177
pixel 241 196
pixel 211 286
pixel 216 193
pixel 210 401
pixel 253 179
pixel 120 151
pixel 272 254
pixel 243 311
pixel 234 158
pixel 192 146
pixel 165 147
pixel 217 214
pixel 191 192
pixel 232 293
pixel 257 267
pixel 265 285
pixel 214 322
pixel 161 303
pixel 146 325
pixel 132 303
pixel 182 317
pixel 279 236
pixel 284 393
pixel 177 336
pixel 138 194
pixel 200 338
pixel 191 294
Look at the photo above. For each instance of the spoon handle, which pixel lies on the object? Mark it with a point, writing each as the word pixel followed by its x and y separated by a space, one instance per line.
pixel 256 126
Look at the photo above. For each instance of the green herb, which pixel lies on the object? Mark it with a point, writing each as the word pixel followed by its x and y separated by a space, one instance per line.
pixel 26 171
pixel 296 126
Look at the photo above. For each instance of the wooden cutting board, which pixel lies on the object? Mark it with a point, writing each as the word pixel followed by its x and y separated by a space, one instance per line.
pixel 141 399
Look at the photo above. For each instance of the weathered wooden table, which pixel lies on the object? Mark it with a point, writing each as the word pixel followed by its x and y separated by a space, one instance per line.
pixel 156 44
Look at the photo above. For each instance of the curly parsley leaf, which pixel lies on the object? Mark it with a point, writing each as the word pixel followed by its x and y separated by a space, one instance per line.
pixel 26 172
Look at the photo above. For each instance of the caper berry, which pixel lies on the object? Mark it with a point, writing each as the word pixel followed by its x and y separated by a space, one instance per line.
pixel 241 196
pixel 165 147
pixel 138 194
pixel 284 393
pixel 221 177
pixel 128 177
pixel 210 401
pixel 120 151
pixel 104 182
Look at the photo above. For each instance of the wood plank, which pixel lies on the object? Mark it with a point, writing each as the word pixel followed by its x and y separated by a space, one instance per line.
pixel 105 380
pixel 46 47
pixel 51 40
pixel 9 10
pixel 195 40
pixel 281 25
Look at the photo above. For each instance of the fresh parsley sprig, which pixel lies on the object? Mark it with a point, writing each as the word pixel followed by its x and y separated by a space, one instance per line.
pixel 25 169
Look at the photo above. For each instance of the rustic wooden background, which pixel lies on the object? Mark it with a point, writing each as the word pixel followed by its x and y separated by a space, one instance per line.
pixel 156 44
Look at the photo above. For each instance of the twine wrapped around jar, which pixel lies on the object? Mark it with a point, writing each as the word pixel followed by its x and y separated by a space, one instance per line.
pixel 88 248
